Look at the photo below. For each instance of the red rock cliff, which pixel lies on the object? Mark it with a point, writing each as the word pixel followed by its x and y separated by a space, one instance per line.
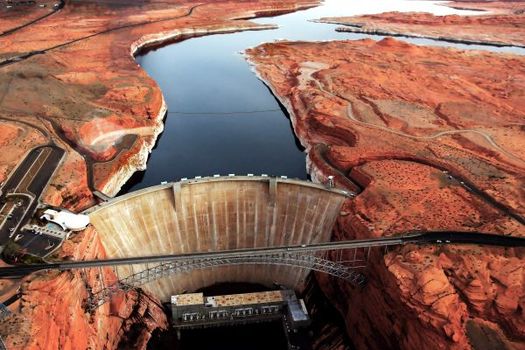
pixel 429 143
pixel 53 311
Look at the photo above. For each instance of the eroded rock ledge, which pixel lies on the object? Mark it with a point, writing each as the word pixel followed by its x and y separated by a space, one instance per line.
pixel 493 30
pixel 53 309
pixel 85 92
pixel 427 138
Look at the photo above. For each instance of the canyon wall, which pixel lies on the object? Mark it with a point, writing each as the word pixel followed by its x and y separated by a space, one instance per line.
pixel 53 312
pixel 493 30
pixel 70 78
pixel 431 144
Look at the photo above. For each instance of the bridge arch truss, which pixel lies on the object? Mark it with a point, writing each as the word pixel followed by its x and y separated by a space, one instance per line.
pixel 348 270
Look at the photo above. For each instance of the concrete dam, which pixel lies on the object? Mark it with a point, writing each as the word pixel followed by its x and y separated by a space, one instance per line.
pixel 218 213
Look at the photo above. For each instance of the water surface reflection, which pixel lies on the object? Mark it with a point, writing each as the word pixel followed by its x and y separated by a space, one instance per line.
pixel 206 81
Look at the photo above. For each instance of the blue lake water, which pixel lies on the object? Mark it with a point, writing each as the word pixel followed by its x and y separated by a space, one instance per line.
pixel 222 119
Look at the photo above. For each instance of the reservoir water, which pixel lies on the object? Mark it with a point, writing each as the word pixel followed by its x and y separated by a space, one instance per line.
pixel 222 119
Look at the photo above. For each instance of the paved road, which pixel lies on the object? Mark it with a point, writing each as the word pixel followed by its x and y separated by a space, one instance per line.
pixel 20 194
pixel 445 237
pixel 469 186
pixel 24 56
pixel 11 299
pixel 350 115
pixel 21 170
pixel 33 173
pixel 55 9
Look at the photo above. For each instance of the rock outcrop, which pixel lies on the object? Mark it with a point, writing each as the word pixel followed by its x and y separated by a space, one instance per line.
pixel 54 312
pixel 430 143
pixel 504 7
pixel 70 78
pixel 496 30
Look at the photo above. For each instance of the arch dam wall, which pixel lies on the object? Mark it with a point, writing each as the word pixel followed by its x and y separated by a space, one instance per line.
pixel 218 213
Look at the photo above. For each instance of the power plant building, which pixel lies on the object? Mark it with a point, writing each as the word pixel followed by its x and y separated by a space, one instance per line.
pixel 194 310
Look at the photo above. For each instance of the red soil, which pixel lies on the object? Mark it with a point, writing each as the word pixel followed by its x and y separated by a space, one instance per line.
pixel 90 97
pixel 22 13
pixel 398 119
pixel 52 312
pixel 507 29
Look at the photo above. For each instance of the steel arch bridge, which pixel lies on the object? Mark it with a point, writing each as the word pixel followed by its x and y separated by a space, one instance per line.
pixel 343 259
pixel 346 270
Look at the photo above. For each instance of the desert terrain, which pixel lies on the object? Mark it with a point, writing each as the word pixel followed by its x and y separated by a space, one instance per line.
pixel 68 77
pixel 430 144
pixel 498 24
pixel 426 140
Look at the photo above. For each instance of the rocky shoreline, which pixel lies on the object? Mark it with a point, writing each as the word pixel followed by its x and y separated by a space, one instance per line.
pixel 485 29
pixel 342 101
pixel 138 161
pixel 359 28
pixel 90 107
pixel 97 106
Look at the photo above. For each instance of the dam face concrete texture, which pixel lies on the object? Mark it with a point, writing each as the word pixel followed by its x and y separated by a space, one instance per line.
pixel 214 214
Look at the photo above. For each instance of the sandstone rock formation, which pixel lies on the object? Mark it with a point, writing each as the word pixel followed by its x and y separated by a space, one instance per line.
pixel 509 7
pixel 431 144
pixel 422 155
pixel 53 311
pixel 69 77
pixel 499 30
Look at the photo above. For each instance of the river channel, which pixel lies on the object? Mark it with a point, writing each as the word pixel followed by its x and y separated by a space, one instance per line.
pixel 222 119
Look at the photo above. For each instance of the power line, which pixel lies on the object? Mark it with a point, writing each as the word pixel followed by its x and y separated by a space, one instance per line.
pixel 226 113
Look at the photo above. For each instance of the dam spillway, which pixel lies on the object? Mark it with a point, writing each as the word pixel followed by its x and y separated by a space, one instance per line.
pixel 213 214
